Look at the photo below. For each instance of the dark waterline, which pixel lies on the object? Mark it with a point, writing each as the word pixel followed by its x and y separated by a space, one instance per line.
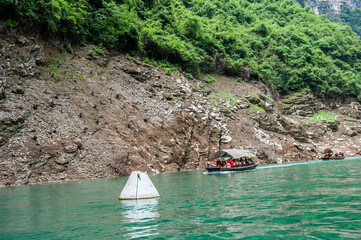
pixel 307 200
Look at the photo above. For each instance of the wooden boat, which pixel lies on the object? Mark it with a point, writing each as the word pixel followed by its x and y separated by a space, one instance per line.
pixel 222 155
pixel 332 158
pixel 232 169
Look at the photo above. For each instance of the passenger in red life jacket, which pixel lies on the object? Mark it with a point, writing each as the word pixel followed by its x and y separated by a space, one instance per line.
pixel 212 164
pixel 231 162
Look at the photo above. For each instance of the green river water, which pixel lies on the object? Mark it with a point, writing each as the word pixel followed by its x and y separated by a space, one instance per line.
pixel 306 200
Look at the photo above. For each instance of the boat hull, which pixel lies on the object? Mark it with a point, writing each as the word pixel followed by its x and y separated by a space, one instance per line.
pixel 231 169
pixel 326 159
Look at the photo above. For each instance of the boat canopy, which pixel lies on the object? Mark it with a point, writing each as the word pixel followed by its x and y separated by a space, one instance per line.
pixel 234 153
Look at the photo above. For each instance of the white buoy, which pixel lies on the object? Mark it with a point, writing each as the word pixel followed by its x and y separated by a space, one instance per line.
pixel 138 186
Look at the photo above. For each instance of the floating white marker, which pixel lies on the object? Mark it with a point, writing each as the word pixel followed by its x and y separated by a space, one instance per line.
pixel 138 186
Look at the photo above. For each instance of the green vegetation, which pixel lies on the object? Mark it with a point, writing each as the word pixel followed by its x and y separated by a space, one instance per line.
pixel 348 16
pixel 259 100
pixel 277 42
pixel 168 72
pixel 79 76
pixel 256 108
pixel 100 49
pixel 209 79
pixel 37 75
pixel 53 68
pixel 91 54
pixel 269 99
pixel 57 59
pixel 323 116
pixel 213 98
pixel 255 98
pixel 223 96
pixel 96 51
pixel 11 23
pixel 55 80
pixel 68 48
pixel 128 57
pixel 229 97
pixel 352 18
pixel 146 60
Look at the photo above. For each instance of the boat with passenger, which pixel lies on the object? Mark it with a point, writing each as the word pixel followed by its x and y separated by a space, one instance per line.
pixel 333 156
pixel 231 160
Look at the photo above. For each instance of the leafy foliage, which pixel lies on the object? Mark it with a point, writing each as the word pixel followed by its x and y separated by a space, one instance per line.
pixel 11 23
pixel 277 42
pixel 209 79
pixel 352 18
pixel 68 48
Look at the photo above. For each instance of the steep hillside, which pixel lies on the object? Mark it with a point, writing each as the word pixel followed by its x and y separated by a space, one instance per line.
pixel 96 113
pixel 285 46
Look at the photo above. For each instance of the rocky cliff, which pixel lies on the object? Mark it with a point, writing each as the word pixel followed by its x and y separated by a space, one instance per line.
pixel 94 113
pixel 331 8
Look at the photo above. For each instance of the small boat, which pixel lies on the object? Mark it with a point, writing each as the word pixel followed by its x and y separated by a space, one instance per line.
pixel 233 169
pixel 332 158
pixel 226 154
pixel 328 154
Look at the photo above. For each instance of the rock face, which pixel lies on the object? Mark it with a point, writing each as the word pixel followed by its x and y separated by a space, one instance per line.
pixel 331 8
pixel 64 116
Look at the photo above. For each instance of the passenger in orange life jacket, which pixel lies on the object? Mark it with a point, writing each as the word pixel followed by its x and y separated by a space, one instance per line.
pixel 212 164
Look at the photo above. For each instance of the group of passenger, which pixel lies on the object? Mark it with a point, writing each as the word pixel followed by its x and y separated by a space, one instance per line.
pixel 333 155
pixel 239 162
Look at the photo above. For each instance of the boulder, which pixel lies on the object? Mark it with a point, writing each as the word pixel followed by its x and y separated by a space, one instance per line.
pixel 64 159
pixel 226 139
pixel 352 110
pixel 268 106
pixel 42 161
pixel 294 129
pixel 9 127
pixel 269 123
pixel 71 148
pixel 140 73
pixel 22 40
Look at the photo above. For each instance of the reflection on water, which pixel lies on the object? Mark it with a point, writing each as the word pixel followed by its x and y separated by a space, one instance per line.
pixel 140 217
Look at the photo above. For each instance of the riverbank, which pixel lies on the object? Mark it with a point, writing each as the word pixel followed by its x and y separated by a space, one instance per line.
pixel 92 113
